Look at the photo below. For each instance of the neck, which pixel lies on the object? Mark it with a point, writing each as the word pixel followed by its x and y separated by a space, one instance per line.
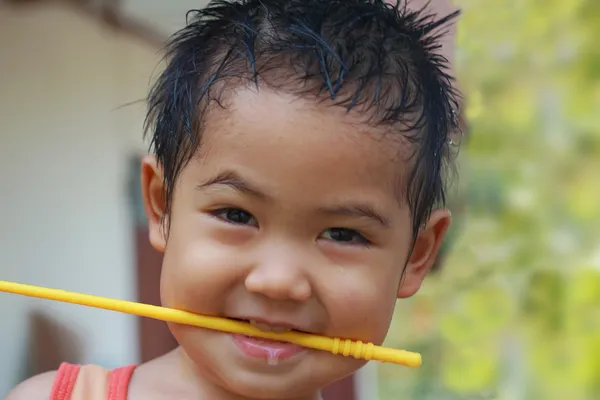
pixel 199 386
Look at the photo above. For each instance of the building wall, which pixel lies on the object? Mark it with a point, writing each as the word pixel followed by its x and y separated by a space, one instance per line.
pixel 64 147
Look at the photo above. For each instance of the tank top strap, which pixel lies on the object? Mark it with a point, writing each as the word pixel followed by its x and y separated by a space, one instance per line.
pixel 118 383
pixel 64 382
pixel 91 382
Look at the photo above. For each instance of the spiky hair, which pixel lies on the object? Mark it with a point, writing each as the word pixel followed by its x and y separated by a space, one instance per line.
pixel 379 59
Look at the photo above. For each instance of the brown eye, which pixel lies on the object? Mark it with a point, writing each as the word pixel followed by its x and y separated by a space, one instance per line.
pixel 344 235
pixel 235 216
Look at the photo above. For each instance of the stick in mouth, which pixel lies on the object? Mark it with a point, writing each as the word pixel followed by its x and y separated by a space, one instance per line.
pixel 337 346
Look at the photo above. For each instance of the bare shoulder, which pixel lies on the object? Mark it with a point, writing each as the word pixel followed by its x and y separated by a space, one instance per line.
pixel 160 379
pixel 34 388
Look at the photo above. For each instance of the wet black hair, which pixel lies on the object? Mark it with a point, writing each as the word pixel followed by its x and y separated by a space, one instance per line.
pixel 370 56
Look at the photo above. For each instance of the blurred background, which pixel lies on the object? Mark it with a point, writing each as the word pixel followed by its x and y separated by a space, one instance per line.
pixel 513 309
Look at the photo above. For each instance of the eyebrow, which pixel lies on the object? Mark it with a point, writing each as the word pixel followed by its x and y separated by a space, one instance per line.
pixel 357 210
pixel 234 181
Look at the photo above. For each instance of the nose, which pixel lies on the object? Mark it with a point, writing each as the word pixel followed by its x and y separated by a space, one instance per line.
pixel 280 275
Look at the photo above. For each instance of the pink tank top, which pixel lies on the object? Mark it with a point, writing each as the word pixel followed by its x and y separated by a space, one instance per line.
pixel 90 382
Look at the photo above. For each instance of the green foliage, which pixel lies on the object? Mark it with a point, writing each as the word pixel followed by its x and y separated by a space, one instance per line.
pixel 515 312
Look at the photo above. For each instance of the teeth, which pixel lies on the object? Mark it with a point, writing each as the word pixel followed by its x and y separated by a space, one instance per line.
pixel 268 328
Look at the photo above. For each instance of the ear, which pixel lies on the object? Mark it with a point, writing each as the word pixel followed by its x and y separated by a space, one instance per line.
pixel 424 253
pixel 153 193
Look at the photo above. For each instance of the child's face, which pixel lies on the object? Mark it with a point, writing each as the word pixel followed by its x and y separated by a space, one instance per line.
pixel 291 214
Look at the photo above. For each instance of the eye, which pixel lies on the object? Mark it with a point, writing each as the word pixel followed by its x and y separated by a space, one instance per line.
pixel 345 236
pixel 235 216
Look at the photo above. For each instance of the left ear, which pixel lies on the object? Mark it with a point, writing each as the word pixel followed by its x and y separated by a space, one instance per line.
pixel 424 252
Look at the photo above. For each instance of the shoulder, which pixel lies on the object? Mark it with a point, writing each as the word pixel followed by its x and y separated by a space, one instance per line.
pixel 160 378
pixel 37 387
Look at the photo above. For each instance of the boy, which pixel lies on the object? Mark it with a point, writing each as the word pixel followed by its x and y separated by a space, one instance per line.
pixel 296 182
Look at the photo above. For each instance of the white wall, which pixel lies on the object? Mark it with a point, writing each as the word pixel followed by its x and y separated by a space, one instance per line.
pixel 64 212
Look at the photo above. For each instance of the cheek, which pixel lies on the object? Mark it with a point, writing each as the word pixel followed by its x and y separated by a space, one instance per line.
pixel 360 304
pixel 198 268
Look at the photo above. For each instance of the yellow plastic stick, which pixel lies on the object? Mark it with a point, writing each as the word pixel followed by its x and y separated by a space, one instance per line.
pixel 345 347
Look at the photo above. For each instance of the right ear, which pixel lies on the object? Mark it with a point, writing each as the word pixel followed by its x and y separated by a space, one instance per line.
pixel 153 194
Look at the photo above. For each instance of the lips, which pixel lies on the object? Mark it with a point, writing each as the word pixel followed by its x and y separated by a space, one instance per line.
pixel 273 351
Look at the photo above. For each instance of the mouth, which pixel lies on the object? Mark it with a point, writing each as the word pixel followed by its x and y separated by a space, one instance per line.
pixel 273 351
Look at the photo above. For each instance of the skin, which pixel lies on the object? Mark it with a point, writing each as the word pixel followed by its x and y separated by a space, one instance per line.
pixel 285 263
pixel 264 241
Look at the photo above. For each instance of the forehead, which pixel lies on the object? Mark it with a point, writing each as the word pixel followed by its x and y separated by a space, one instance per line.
pixel 287 137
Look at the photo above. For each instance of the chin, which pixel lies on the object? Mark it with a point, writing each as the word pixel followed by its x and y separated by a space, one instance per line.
pixel 288 380
pixel 302 380
pixel 270 387
pixel 217 358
